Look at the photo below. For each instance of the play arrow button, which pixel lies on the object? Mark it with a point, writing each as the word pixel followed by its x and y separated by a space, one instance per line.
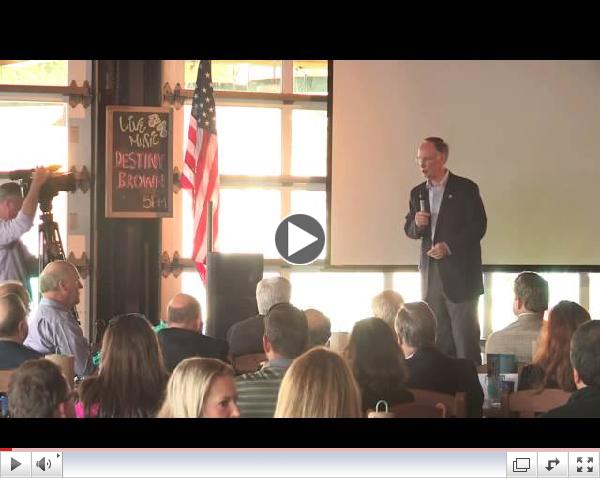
pixel 299 239
pixel 14 464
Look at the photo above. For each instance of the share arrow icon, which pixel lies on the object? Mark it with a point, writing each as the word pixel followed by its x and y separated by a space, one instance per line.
pixel 550 466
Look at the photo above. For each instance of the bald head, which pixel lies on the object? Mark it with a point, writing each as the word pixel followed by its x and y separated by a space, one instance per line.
pixel 319 327
pixel 55 272
pixel 13 325
pixel 60 281
pixel 184 311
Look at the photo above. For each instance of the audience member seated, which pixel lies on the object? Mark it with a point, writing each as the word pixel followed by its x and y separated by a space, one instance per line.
pixel 13 330
pixel 183 338
pixel 319 384
pixel 132 376
pixel 286 336
pixel 529 305
pixel 319 328
pixel 15 287
pixel 551 367
pixel 377 363
pixel 585 359
pixel 52 327
pixel 246 337
pixel 386 305
pixel 38 389
pixel 201 388
pixel 430 369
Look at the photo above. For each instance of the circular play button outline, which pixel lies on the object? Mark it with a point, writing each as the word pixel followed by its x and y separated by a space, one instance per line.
pixel 299 239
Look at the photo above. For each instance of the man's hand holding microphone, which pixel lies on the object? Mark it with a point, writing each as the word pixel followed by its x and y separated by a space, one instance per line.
pixel 439 250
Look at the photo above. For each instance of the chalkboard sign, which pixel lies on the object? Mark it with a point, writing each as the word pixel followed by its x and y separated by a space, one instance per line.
pixel 139 162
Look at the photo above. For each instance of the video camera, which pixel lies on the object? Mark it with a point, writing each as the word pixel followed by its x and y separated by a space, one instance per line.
pixel 55 183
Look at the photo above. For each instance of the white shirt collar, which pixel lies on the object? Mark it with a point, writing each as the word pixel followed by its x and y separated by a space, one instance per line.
pixel 443 182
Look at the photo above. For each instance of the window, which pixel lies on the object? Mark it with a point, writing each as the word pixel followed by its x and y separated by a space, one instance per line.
pixel 35 133
pixel 344 297
pixel 261 138
pixel 34 72
pixel 309 142
pixel 310 76
pixel 239 75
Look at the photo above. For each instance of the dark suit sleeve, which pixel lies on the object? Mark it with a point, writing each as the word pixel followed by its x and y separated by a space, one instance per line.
pixel 472 387
pixel 410 227
pixel 225 351
pixel 476 226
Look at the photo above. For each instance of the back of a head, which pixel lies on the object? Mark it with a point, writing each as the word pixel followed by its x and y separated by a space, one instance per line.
pixel 318 384
pixel 271 291
pixel 532 290
pixel 319 327
pixel 385 305
pixel 563 320
pixel 12 313
pixel 416 325
pixel 374 354
pixel 183 309
pixel 189 386
pixel 35 389
pixel 15 287
pixel 10 190
pixel 553 352
pixel 132 373
pixel 585 352
pixel 286 329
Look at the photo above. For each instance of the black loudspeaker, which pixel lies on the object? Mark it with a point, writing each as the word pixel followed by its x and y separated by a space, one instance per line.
pixel 231 290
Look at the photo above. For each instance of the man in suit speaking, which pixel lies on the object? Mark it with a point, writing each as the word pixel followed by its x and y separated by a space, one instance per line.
pixel 446 212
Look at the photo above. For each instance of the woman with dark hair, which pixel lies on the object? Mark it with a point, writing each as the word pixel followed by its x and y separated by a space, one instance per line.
pixel 551 366
pixel 377 363
pixel 132 377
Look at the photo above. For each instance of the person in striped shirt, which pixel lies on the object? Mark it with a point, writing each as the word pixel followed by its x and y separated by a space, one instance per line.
pixel 286 337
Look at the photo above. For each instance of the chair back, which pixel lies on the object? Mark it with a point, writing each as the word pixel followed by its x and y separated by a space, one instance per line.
pixel 419 410
pixel 456 405
pixel 5 376
pixel 248 363
pixel 528 403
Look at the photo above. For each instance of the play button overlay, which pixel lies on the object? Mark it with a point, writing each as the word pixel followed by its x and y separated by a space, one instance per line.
pixel 299 239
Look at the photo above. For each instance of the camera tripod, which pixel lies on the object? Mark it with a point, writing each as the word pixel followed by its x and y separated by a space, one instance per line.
pixel 50 243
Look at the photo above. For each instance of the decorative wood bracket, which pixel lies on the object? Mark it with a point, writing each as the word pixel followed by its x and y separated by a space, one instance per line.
pixel 82 264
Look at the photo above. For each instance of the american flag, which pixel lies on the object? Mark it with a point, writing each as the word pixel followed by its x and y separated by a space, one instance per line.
pixel 200 168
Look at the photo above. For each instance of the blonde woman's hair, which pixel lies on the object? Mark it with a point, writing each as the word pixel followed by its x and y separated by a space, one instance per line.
pixel 385 305
pixel 318 384
pixel 190 385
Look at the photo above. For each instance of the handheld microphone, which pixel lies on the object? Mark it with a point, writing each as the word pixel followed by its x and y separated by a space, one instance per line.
pixel 421 203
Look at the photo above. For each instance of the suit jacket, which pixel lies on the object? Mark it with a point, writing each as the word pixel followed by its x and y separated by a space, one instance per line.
pixel 584 403
pixel 13 354
pixel 430 369
pixel 461 224
pixel 246 337
pixel 518 338
pixel 178 344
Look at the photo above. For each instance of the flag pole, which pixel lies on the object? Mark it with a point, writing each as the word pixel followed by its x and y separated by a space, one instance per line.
pixel 209 231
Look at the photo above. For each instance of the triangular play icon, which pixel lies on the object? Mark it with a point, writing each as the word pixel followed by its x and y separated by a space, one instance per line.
pixel 298 239
pixel 14 464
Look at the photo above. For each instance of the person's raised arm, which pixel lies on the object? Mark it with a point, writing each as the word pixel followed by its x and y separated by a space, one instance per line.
pixel 40 176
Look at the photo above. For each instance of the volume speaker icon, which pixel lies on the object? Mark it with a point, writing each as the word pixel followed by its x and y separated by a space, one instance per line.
pixel 43 463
